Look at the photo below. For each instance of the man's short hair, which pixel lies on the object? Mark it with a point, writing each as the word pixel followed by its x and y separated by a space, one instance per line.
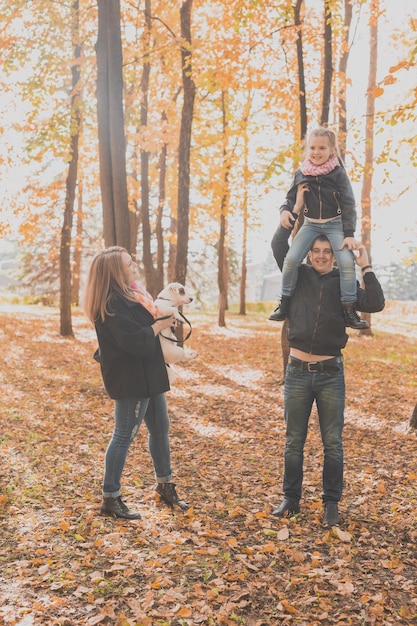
pixel 321 238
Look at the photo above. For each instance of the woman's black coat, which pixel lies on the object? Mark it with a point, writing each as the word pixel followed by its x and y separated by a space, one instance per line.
pixel 131 359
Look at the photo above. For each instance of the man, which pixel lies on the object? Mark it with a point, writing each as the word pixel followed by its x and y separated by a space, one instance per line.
pixel 317 335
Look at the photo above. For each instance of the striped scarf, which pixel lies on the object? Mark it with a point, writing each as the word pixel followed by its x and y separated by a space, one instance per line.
pixel 144 298
pixel 309 169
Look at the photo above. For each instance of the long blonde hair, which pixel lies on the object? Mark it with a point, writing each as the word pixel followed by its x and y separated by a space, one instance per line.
pixel 322 131
pixel 106 277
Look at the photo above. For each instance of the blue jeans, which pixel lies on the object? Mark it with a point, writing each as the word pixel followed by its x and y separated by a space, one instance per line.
pixel 327 389
pixel 302 244
pixel 128 416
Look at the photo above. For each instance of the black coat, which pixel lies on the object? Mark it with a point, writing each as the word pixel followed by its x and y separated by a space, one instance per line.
pixel 131 359
pixel 329 195
pixel 315 321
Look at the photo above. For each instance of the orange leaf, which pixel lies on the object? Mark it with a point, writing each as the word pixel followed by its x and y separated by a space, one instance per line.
pixel 184 611
pixel 286 606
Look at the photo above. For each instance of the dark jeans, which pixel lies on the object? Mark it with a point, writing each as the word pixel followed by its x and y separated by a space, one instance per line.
pixel 327 389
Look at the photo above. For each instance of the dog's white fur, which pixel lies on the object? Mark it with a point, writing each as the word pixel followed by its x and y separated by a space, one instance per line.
pixel 167 303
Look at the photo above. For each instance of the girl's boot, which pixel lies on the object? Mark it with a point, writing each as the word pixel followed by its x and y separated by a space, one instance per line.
pixel 281 312
pixel 352 319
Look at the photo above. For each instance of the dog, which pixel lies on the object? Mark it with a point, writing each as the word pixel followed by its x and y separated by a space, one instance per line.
pixel 167 303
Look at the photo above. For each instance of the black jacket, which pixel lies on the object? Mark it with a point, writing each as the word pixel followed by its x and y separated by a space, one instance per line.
pixel 330 195
pixel 131 359
pixel 315 322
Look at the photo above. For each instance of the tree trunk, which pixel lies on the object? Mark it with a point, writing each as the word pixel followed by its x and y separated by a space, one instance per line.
pixel 413 419
pixel 369 140
pixel 344 57
pixel 184 146
pixel 162 166
pixel 144 154
pixel 110 115
pixel 245 211
pixel 222 270
pixel 223 261
pixel 328 64
pixel 77 256
pixel 301 79
pixel 71 182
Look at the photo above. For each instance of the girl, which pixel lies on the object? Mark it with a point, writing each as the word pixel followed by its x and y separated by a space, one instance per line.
pixel 322 189
pixel 133 371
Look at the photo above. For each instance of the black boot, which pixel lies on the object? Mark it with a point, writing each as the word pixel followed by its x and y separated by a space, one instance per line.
pixel 352 319
pixel 115 507
pixel 331 514
pixel 168 493
pixel 281 312
pixel 287 506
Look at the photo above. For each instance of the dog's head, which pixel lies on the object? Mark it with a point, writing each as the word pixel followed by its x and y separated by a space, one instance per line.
pixel 176 294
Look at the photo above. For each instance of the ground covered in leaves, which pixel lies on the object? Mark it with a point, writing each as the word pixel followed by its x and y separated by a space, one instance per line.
pixel 226 561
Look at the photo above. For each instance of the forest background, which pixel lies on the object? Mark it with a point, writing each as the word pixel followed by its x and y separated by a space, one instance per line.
pixel 216 101
pixel 245 80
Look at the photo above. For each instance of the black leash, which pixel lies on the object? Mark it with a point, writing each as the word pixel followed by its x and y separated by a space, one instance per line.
pixel 170 338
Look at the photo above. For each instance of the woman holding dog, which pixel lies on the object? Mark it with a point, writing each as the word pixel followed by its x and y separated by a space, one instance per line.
pixel 133 371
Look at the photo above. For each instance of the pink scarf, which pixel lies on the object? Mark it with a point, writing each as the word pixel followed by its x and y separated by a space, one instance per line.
pixel 144 298
pixel 309 169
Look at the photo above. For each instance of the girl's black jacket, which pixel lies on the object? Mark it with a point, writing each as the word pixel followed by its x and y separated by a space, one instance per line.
pixel 131 359
pixel 330 195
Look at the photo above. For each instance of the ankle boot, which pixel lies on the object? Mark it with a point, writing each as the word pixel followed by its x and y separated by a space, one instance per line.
pixel 281 312
pixel 168 494
pixel 287 506
pixel 115 507
pixel 331 514
pixel 352 319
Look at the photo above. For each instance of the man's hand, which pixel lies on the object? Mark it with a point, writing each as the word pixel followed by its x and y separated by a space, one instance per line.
pixel 350 243
pixel 361 258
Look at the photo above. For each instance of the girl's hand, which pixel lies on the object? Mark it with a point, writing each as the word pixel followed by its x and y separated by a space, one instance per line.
pixel 350 243
pixel 299 200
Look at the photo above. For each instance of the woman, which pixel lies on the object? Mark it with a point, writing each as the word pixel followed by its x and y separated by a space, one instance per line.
pixel 134 373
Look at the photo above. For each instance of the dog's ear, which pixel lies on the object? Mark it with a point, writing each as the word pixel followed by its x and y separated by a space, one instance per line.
pixel 177 288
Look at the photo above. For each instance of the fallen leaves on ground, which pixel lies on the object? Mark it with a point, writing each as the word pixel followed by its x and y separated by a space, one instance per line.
pixel 226 561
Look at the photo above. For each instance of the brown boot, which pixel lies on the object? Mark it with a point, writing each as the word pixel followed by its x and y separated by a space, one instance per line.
pixel 168 493
pixel 115 507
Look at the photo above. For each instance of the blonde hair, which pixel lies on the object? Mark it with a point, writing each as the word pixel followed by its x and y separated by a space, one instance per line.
pixel 106 277
pixel 322 131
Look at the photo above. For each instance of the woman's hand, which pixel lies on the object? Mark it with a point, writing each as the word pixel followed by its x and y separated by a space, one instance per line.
pixel 162 323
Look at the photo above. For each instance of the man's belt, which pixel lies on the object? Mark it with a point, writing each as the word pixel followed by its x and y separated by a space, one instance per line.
pixel 328 365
